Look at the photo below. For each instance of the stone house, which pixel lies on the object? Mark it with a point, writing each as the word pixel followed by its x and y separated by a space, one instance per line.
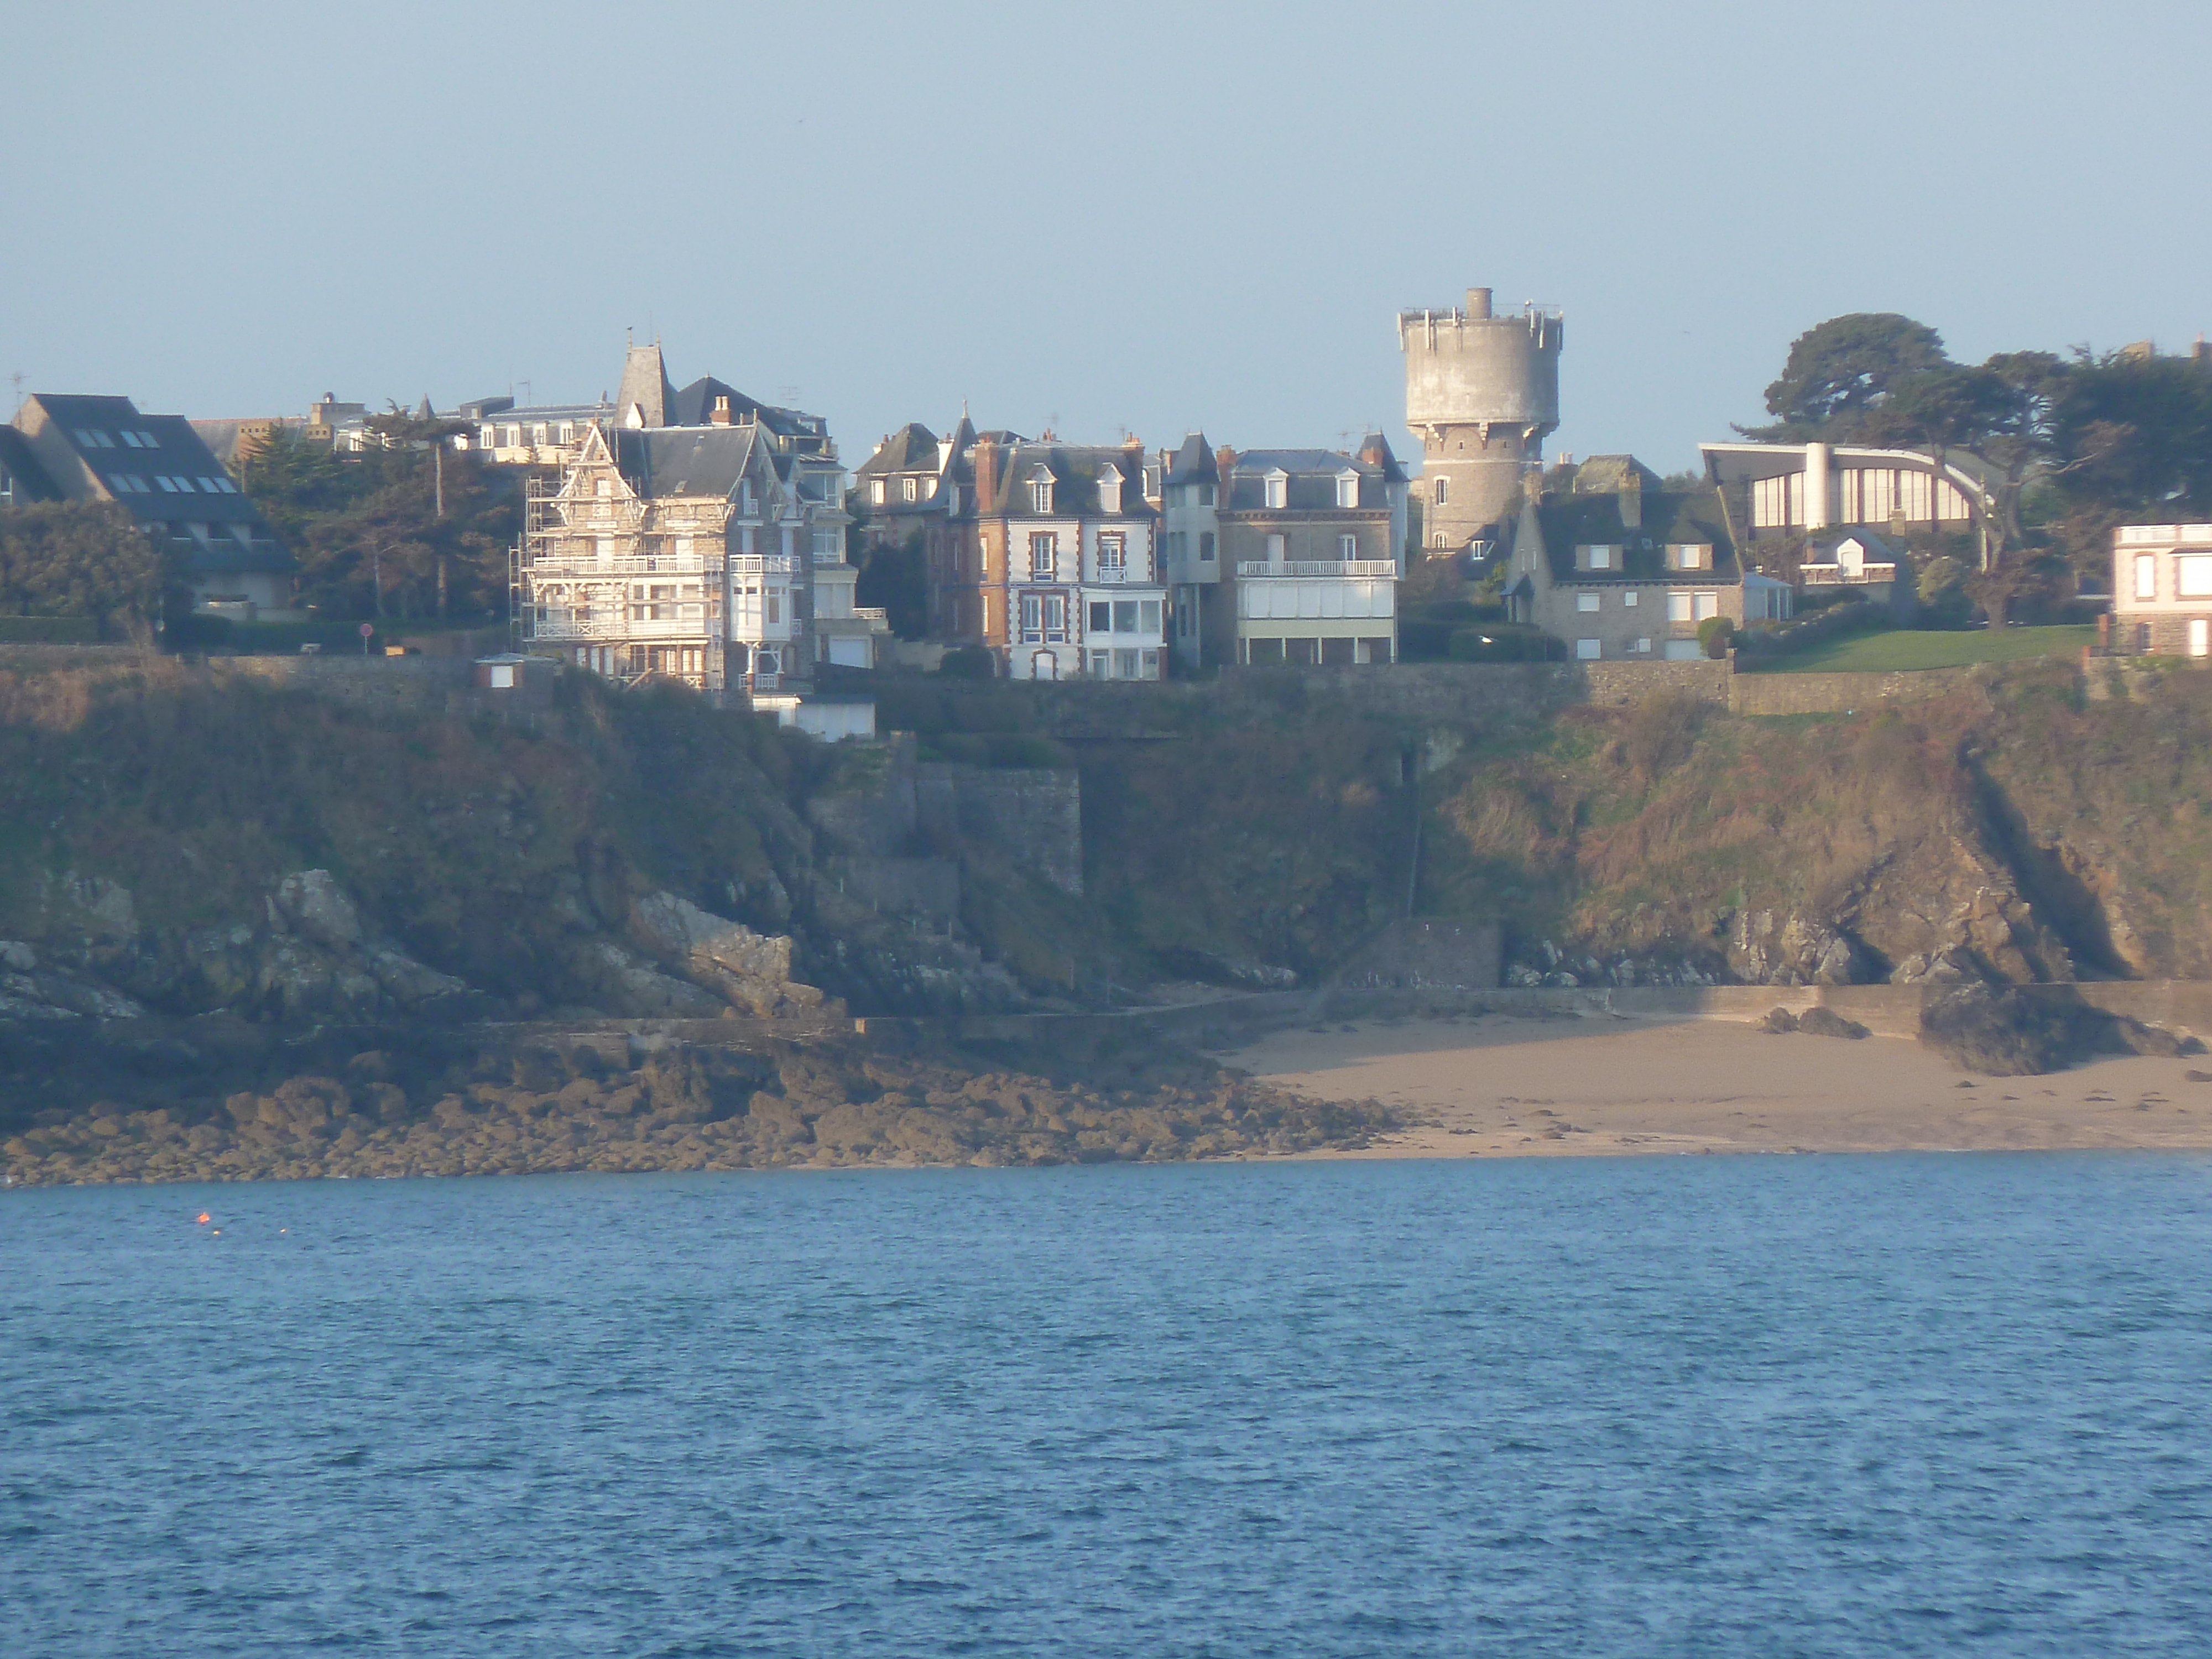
pixel 1310 541
pixel 1620 569
pixel 2162 590
pixel 1190 535
pixel 157 466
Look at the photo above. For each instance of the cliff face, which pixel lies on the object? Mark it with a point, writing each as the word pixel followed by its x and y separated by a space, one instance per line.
pixel 182 845
pixel 2011 830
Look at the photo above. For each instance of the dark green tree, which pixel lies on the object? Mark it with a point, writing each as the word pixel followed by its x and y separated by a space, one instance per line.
pixel 1840 371
pixel 81 559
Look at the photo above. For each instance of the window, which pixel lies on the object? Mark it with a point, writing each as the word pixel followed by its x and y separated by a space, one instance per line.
pixel 1444 494
pixel 1102 616
pixel 1044 556
pixel 1113 556
pixel 1109 489
pixel 604 489
pixel 1629 599
pixel 1055 619
pixel 1099 660
pixel 1586 650
pixel 910 488
pixel 146 441
pixel 683 547
pixel 1597 558
pixel 1040 495
pixel 568 432
pixel 1032 619
pixel 515 437
pixel 1125 615
pixel 185 486
pixel 1205 494
pixel 131 440
pixel 1690 557
pixel 537 433
pixel 2200 637
pixel 772 605
pixel 1707 604
pixel 162 479
pixel 1148 616
pixel 103 440
pixel 1644 644
pixel 1347 547
pixel 1275 546
pixel 2192 575
pixel 1148 664
pixel 1348 489
pixel 207 485
pixel 1206 547
pixel 1125 664
pixel 1278 490
pixel 1585 601
pixel 1679 608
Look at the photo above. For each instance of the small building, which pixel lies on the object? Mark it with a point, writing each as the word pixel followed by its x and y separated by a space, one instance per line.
pixel 2162 590
pixel 71 448
pixel 1312 541
pixel 1789 501
pixel 1623 570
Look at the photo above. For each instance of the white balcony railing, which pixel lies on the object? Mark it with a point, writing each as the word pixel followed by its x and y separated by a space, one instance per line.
pixel 616 629
pixel 1367 569
pixel 1837 575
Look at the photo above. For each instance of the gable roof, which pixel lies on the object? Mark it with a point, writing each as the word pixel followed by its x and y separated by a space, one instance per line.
pixel 1669 517
pixel 1075 471
pixel 75 436
pixel 684 460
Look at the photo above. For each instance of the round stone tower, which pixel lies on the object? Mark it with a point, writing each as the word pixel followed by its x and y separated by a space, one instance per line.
pixel 1481 392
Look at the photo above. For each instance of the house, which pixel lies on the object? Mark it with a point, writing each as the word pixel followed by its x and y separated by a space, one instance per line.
pixel 1048 558
pixel 698 534
pixel 903 486
pixel 1788 502
pixel 1621 569
pixel 102 449
pixel 1190 534
pixel 2162 590
pixel 1311 539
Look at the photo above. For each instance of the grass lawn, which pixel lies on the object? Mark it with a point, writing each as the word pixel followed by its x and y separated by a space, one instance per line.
pixel 1901 650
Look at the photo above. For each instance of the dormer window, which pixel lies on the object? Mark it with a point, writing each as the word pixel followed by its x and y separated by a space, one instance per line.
pixel 1602 557
pixel 1691 556
pixel 1109 490
pixel 1278 490
pixel 911 487
pixel 876 492
pixel 1041 491
pixel 1348 489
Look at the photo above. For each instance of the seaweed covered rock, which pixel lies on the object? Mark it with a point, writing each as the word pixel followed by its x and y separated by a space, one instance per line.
pixel 2000 1031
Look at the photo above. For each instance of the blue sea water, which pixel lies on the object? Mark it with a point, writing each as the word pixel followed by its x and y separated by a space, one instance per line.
pixel 1817 1405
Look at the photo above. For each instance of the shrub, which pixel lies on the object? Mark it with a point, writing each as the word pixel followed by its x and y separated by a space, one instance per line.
pixel 969 662
pixel 49 630
pixel 1715 635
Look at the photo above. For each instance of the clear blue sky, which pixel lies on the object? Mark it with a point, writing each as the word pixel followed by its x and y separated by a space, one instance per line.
pixel 1119 216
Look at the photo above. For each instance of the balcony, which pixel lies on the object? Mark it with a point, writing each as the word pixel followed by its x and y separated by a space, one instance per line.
pixel 1366 569
pixel 1845 575
pixel 616 629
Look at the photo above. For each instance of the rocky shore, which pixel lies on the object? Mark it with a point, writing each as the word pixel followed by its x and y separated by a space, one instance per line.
pixel 244 1104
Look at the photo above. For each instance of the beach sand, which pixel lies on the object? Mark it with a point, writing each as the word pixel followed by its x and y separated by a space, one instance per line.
pixel 1506 1085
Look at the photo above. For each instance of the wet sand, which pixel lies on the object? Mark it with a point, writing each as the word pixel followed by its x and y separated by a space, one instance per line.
pixel 1506 1085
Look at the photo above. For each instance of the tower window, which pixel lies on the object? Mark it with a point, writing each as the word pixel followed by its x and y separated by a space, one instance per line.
pixel 1444 491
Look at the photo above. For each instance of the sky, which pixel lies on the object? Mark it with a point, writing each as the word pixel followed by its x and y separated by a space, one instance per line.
pixel 1096 218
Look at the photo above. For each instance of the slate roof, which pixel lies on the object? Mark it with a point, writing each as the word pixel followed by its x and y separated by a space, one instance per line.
pixel 694 406
pixel 1309 484
pixel 132 471
pixel 1392 472
pixel 1669 517
pixel 28 480
pixel 1075 470
pixel 1194 462
pixel 684 460
pixel 912 448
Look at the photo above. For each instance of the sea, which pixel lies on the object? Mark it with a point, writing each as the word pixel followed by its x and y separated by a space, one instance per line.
pixel 1889 1406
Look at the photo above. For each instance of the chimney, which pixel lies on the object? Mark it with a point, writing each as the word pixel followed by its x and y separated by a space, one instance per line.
pixel 721 415
pixel 1478 304
pixel 987 473
pixel 1632 501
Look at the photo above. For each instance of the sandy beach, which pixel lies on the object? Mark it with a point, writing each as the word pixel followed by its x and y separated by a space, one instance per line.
pixel 1506 1085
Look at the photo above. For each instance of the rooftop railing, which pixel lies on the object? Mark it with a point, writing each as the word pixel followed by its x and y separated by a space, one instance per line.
pixel 1366 569
pixel 1837 575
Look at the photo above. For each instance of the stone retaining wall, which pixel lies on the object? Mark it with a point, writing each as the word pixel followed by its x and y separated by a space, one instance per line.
pixel 1840 694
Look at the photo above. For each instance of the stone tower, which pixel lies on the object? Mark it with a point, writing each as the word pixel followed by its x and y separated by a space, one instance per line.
pixel 1481 392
